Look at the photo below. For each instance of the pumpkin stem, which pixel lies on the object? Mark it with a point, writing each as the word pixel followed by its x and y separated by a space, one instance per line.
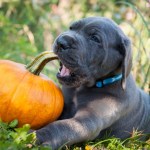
pixel 37 65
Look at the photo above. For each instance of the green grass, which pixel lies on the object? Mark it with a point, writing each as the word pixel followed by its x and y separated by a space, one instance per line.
pixel 113 143
pixel 13 138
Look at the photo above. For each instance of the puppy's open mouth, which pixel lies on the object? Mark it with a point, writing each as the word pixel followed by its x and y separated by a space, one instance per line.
pixel 64 72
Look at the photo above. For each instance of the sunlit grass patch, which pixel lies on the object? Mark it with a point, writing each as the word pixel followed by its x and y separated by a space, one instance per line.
pixel 113 143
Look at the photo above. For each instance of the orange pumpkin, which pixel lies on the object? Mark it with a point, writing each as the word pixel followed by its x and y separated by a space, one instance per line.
pixel 27 96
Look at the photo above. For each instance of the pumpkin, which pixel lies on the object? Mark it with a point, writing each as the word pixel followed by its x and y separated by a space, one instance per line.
pixel 27 95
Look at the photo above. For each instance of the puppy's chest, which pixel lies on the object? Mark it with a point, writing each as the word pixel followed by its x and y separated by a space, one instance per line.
pixel 78 98
pixel 70 109
pixel 72 104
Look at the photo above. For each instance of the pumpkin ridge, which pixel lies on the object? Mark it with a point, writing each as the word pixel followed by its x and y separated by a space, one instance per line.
pixel 45 90
pixel 37 115
pixel 59 105
pixel 3 82
pixel 29 90
pixel 54 108
pixel 14 92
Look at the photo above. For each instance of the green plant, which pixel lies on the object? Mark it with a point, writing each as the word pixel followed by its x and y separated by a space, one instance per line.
pixel 112 143
pixel 12 138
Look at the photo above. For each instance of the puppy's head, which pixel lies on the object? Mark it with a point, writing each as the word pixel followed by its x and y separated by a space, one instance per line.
pixel 93 48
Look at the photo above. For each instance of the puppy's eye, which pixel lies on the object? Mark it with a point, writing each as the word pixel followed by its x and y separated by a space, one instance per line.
pixel 94 38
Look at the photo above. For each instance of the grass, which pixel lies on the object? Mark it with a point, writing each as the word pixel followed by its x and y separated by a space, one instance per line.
pixel 13 138
pixel 116 144
pixel 113 143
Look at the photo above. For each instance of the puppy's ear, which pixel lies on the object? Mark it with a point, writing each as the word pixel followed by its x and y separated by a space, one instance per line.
pixel 127 59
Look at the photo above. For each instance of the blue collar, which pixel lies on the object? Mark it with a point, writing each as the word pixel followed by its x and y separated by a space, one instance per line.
pixel 107 81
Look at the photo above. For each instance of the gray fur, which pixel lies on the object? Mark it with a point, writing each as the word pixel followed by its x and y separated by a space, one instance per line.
pixel 91 112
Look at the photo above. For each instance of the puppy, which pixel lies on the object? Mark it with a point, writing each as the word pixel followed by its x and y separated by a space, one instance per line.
pixel 100 93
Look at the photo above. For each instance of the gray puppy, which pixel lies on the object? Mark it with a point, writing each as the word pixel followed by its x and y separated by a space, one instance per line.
pixel 100 93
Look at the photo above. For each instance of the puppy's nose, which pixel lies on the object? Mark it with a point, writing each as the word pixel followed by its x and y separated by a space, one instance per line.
pixel 62 43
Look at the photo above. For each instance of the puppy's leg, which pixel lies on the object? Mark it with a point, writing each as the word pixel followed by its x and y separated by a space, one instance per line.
pixel 69 131
pixel 86 125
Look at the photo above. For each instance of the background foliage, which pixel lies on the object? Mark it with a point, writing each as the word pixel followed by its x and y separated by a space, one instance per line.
pixel 28 27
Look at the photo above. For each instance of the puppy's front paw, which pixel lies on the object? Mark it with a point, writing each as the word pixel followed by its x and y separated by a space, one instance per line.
pixel 39 138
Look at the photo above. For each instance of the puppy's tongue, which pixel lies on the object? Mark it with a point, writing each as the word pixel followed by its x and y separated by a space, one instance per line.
pixel 64 71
